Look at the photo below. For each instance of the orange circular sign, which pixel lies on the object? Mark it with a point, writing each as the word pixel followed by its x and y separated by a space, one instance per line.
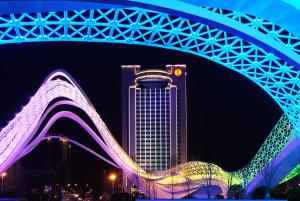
pixel 178 72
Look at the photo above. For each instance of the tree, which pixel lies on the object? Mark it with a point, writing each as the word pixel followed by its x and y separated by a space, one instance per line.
pixel 172 175
pixel 245 183
pixel 293 194
pixel 236 191
pixel 278 192
pixel 136 178
pixel 153 189
pixel 121 197
pixel 147 182
pixel 136 184
pixel 259 193
pixel 188 183
pixel 219 197
pixel 229 185
pixel 268 174
pixel 208 179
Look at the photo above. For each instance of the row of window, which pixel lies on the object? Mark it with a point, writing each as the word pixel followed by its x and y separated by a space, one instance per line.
pixel 146 163
pixel 164 141
pixel 148 155
pixel 145 158
pixel 154 168
pixel 158 166
pixel 143 146
pixel 152 112
pixel 157 160
pixel 153 141
pixel 153 94
pixel 156 115
pixel 152 109
pixel 148 93
pixel 157 138
pixel 147 146
pixel 152 135
pixel 152 130
pixel 158 102
pixel 152 124
pixel 148 129
pixel 146 102
pixel 151 102
pixel 151 152
pixel 141 102
pixel 152 98
pixel 161 156
pixel 144 154
pixel 143 121
pixel 147 137
pixel 149 117
pixel 159 108
pixel 148 120
pixel 144 92
pixel 162 117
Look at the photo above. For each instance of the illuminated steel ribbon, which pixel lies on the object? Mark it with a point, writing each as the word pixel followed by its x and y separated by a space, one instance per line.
pixel 20 136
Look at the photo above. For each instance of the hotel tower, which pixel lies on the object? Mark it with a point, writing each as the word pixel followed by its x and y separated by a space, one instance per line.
pixel 154 116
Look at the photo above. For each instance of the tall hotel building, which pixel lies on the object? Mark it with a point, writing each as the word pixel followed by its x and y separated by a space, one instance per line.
pixel 154 116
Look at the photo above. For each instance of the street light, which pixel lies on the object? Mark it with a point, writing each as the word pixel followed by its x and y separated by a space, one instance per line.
pixel 4 174
pixel 113 177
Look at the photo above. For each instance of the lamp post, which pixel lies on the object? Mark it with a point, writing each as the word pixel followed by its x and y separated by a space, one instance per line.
pixel 113 177
pixel 4 174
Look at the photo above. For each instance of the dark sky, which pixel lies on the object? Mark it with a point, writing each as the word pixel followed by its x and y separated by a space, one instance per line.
pixel 228 116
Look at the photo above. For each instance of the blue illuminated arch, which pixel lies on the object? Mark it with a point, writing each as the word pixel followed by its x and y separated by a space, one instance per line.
pixel 185 9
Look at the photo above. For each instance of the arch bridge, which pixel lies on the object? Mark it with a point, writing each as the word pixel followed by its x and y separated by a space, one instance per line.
pixel 259 40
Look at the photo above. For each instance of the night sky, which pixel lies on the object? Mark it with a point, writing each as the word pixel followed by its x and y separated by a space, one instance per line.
pixel 228 116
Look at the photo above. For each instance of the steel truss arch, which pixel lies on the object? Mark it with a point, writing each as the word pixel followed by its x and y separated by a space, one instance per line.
pixel 195 11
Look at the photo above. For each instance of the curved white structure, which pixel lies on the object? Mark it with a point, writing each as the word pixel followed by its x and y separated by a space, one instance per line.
pixel 20 136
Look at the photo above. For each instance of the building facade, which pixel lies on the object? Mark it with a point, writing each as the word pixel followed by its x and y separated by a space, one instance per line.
pixel 154 130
